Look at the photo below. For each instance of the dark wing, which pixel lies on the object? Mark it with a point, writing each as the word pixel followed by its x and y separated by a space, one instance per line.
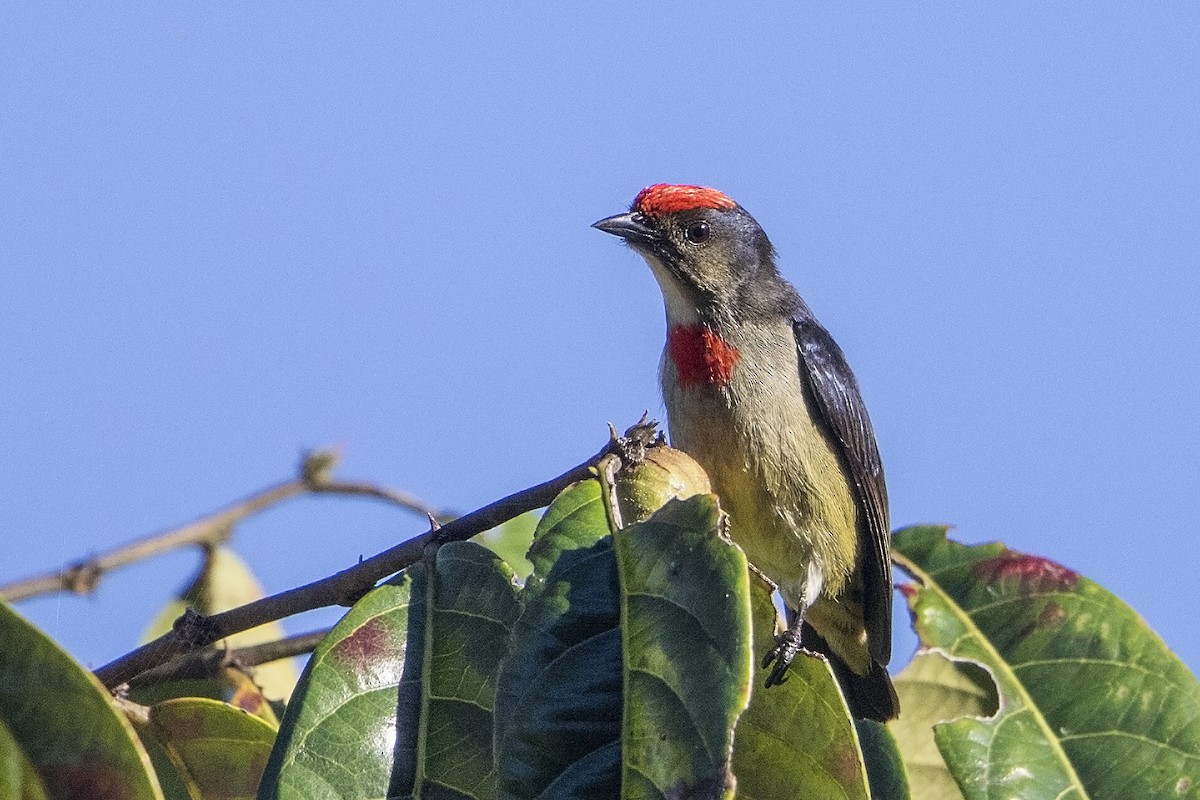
pixel 841 408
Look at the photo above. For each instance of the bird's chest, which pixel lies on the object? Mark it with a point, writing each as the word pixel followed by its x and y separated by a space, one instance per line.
pixel 742 412
pixel 732 401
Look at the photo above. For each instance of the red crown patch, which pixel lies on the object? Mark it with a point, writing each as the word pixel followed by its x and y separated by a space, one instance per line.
pixel 666 198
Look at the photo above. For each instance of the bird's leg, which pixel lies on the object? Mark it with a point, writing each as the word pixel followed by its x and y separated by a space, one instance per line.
pixel 788 645
pixel 784 651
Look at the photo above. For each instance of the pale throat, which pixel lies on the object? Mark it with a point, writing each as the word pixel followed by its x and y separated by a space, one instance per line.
pixel 701 357
pixel 681 308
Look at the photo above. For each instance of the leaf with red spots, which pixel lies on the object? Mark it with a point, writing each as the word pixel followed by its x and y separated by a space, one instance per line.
pixel 60 736
pixel 1091 702
pixel 397 700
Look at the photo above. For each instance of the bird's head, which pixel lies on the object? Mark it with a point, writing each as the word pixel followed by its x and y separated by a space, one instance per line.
pixel 709 255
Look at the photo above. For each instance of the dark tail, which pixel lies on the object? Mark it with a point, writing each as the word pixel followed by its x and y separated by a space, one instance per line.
pixel 869 696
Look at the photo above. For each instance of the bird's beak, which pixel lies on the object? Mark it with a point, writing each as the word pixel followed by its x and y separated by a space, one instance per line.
pixel 631 227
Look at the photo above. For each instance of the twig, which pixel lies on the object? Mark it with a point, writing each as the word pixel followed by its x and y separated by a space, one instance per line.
pixel 207 663
pixel 193 631
pixel 315 477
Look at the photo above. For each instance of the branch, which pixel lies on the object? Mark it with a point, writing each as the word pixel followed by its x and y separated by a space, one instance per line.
pixel 315 477
pixel 207 663
pixel 193 631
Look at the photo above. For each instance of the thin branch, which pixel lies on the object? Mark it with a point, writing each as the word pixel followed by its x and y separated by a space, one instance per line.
pixel 207 663
pixel 193 631
pixel 82 577
pixel 364 489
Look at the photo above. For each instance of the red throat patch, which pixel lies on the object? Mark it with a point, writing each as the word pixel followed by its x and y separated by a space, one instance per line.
pixel 665 198
pixel 701 357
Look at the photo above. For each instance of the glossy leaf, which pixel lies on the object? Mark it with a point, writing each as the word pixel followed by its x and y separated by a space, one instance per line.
pixel 559 695
pixel 511 541
pixel 1092 703
pixel 446 750
pixel 685 624
pixel 62 737
pixel 422 650
pixel 170 781
pixel 575 520
pixel 796 739
pixel 887 774
pixel 337 738
pixel 631 659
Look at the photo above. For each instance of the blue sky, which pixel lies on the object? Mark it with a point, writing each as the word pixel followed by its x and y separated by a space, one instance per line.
pixel 232 233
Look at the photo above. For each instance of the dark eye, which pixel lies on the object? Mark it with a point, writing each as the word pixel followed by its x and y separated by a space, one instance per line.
pixel 696 232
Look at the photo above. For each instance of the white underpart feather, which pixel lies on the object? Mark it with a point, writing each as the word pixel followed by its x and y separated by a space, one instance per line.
pixel 681 309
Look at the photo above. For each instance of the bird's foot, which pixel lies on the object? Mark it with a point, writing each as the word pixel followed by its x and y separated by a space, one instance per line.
pixel 780 657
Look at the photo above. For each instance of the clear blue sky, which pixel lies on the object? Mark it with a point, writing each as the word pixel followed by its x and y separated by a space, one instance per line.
pixel 231 232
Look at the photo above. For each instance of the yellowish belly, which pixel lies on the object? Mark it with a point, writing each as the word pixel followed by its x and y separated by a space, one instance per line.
pixel 778 477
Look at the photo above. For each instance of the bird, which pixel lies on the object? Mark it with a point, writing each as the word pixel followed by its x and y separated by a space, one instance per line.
pixel 759 393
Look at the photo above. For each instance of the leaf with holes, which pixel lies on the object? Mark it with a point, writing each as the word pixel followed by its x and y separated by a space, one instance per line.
pixel 1092 703
pixel 934 688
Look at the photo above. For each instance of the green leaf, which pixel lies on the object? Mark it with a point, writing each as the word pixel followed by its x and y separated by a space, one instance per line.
pixel 18 778
pixel 218 751
pixel 420 650
pixel 631 659
pixel 61 736
pixel 886 773
pixel 796 739
pixel 933 689
pixel 1092 703
pixel 511 541
pixel 558 699
pixel 337 737
pixel 170 781
pixel 446 751
pixel 685 623
pixel 575 520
